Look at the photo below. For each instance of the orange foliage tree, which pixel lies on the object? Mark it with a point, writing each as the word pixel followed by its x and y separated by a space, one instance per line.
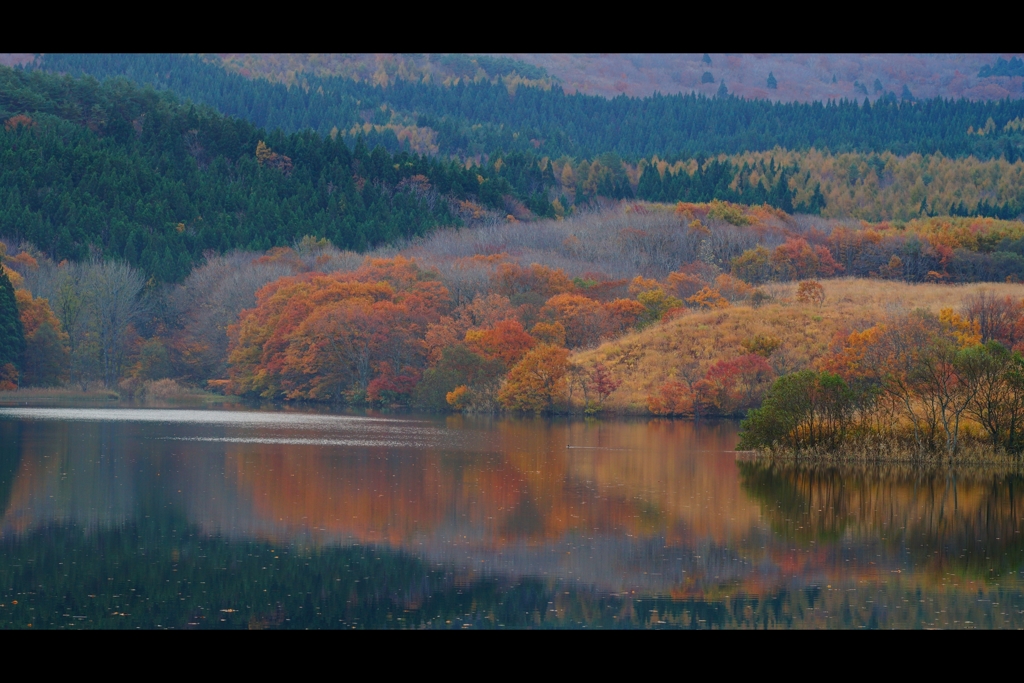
pixel 511 279
pixel 810 292
pixel 707 299
pixel 729 387
pixel 507 341
pixel 623 314
pixel 684 285
pixel 537 381
pixel 328 337
pixel 584 319
pixel 46 354
pixel 673 398
pixel 549 333
pixel 732 288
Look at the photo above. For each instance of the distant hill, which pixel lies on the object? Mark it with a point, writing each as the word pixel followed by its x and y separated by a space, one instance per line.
pixel 799 77
pixel 476 118
pixel 381 68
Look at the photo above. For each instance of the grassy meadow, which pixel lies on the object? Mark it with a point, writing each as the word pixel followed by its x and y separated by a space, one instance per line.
pixel 684 347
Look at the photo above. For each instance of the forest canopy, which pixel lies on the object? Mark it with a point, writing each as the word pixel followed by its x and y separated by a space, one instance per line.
pixel 134 174
pixel 469 116
pixel 130 172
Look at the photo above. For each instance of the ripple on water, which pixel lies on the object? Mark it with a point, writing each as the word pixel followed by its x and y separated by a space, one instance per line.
pixel 365 431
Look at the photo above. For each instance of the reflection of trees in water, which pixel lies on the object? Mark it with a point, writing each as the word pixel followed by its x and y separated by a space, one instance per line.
pixel 10 457
pixel 81 472
pixel 516 483
pixel 160 571
pixel 967 521
pixel 625 510
pixel 513 481
pixel 636 506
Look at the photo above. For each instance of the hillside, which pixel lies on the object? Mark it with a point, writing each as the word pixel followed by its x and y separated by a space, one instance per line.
pixel 506 315
pixel 799 77
pixel 685 348
pixel 978 173
pixel 382 69
pixel 756 244
pixel 476 117
pixel 134 174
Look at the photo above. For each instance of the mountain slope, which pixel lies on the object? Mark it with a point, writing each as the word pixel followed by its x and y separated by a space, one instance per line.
pixel 132 173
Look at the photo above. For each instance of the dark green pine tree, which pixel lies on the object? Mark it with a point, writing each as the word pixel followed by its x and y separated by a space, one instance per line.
pixel 722 90
pixel 12 335
pixel 772 83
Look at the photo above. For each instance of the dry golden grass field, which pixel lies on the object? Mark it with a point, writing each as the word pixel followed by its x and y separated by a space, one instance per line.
pixel 685 347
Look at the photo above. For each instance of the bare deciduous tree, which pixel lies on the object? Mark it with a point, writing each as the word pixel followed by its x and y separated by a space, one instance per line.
pixel 115 292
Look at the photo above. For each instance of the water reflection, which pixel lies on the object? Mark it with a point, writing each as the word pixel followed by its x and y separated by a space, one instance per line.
pixel 480 522
pixel 940 524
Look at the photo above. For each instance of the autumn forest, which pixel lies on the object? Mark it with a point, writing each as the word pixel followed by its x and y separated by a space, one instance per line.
pixel 464 235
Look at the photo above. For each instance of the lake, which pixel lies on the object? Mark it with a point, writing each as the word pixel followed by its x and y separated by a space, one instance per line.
pixel 244 518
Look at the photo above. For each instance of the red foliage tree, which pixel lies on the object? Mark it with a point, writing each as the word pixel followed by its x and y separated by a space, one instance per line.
pixel 734 385
pixel 603 382
pixel 796 259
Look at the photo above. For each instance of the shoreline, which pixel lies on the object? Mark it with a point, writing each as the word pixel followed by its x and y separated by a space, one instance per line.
pixel 975 456
pixel 41 396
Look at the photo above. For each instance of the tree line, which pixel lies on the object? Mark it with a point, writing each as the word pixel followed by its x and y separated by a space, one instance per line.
pixel 474 319
pixel 472 118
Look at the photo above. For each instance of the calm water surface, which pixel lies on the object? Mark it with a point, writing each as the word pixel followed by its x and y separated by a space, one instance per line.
pixel 121 518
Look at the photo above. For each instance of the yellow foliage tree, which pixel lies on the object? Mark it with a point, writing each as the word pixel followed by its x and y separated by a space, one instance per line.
pixel 263 152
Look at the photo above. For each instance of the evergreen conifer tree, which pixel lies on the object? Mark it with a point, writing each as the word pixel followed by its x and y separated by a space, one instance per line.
pixel 12 335
pixel 722 90
pixel 772 83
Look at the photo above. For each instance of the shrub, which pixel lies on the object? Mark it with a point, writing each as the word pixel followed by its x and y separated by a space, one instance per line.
pixel 759 298
pixel 673 398
pixel 802 409
pixel 761 344
pixel 730 213
pixel 810 292
pixel 707 299
pixel 458 398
